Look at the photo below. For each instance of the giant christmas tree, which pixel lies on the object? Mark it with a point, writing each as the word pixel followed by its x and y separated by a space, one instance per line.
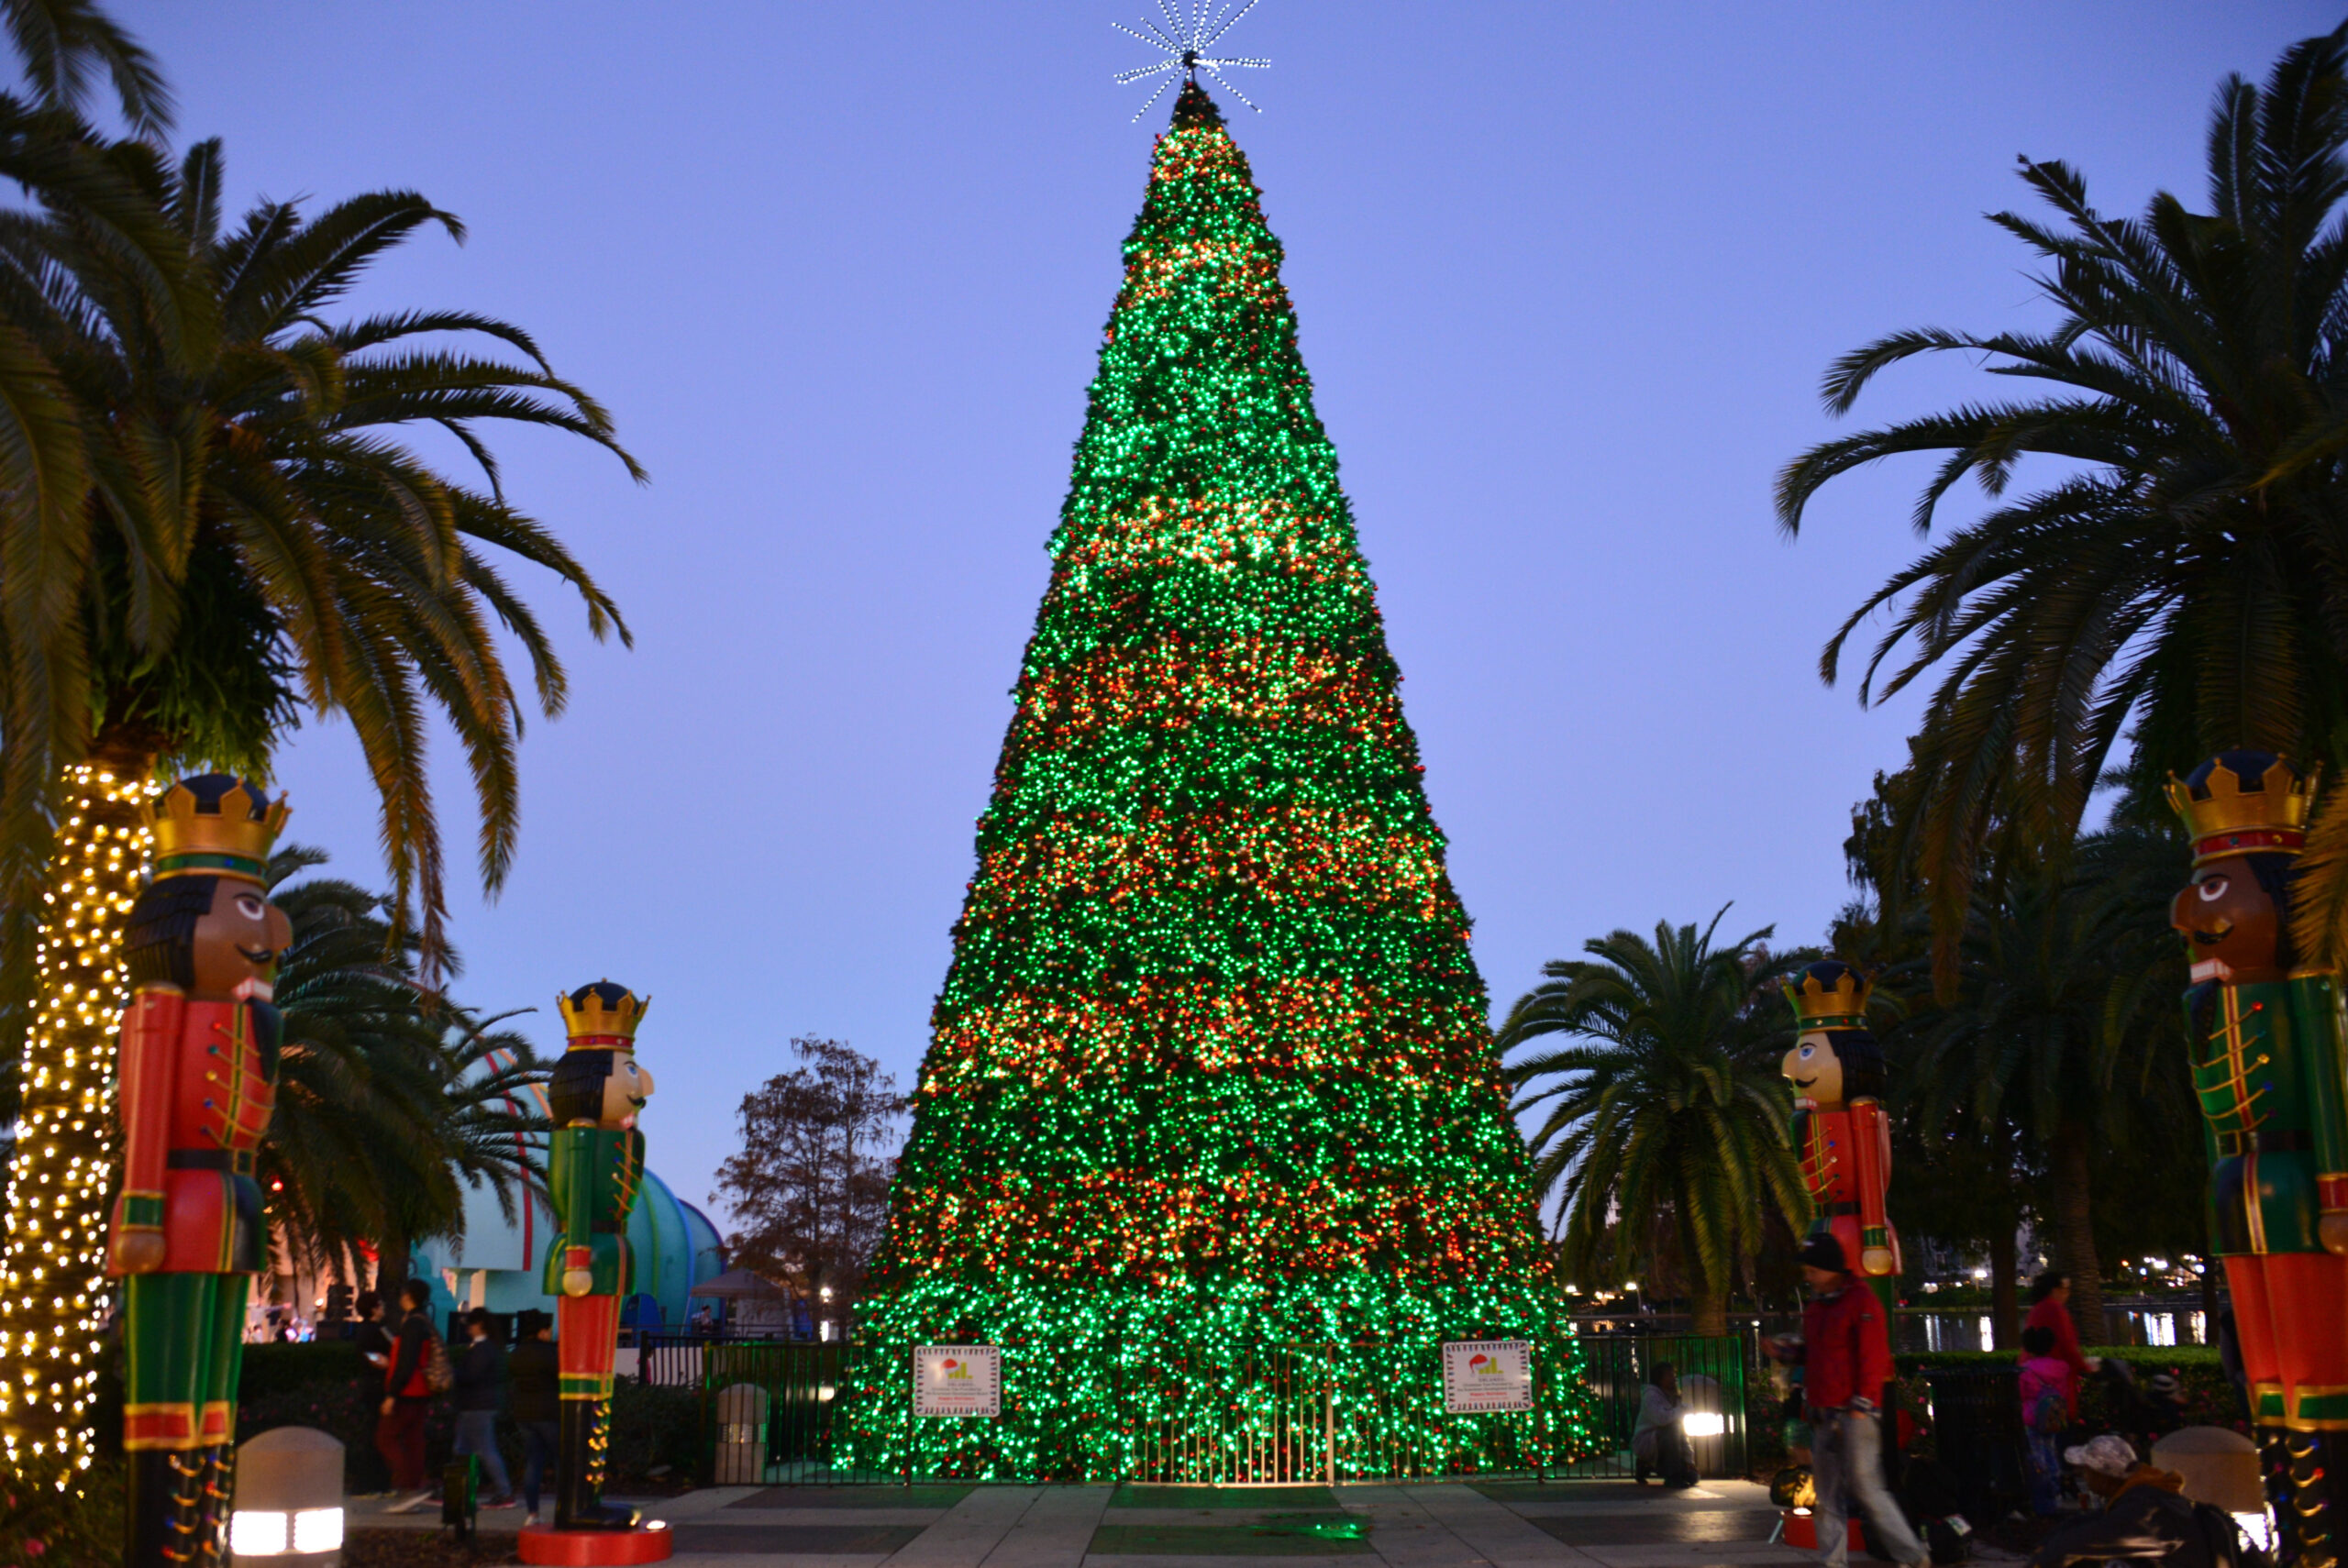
pixel 1211 1102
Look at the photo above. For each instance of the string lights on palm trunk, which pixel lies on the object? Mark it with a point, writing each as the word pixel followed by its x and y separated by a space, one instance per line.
pixel 53 1294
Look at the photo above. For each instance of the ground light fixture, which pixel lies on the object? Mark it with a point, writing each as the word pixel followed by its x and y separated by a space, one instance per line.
pixel 289 1500
pixel 1703 1423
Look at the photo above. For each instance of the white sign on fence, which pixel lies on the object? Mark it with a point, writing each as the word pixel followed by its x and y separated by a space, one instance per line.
pixel 957 1380
pixel 1487 1374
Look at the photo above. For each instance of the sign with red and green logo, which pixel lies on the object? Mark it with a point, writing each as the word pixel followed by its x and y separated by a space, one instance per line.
pixel 1487 1374
pixel 957 1380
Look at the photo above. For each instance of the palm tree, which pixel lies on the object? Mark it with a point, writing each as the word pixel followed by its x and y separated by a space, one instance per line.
pixel 252 537
pixel 391 1100
pixel 2063 1034
pixel 49 151
pixel 63 46
pixel 2183 582
pixel 1671 1105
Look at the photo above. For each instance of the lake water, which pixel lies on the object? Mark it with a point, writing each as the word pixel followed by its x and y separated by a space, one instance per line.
pixel 1970 1331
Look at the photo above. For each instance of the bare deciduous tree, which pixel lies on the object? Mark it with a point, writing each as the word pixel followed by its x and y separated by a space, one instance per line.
pixel 810 1185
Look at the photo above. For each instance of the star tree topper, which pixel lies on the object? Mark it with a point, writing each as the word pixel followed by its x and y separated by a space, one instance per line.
pixel 1184 40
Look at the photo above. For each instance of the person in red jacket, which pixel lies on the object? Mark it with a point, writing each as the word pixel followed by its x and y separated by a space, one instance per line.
pixel 2050 1308
pixel 1847 1361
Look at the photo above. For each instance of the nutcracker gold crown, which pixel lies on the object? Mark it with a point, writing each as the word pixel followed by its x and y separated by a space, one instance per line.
pixel 599 1015
pixel 2268 812
pixel 1841 1005
pixel 213 826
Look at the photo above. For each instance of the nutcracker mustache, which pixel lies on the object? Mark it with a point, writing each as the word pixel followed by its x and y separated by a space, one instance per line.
pixel 2211 937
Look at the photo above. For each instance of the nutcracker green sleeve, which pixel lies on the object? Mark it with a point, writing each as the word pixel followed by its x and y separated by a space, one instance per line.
pixel 593 1172
pixel 2316 1022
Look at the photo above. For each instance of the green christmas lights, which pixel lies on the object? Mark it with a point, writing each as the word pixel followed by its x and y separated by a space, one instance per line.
pixel 1210 1136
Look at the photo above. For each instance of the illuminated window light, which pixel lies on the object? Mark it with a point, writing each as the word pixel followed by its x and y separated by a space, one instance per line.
pixel 318 1530
pixel 255 1532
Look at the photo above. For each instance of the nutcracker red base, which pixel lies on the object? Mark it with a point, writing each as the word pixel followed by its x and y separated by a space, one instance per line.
pixel 596 1548
pixel 2287 1319
pixel 2288 1315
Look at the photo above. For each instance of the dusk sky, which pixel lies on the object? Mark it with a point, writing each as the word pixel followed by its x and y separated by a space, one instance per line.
pixel 1567 274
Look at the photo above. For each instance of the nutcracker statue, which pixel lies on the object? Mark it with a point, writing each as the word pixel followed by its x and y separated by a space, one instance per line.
pixel 594 1165
pixel 198 1067
pixel 1845 1143
pixel 2265 1034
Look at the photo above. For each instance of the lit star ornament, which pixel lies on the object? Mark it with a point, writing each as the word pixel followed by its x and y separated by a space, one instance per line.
pixel 1184 40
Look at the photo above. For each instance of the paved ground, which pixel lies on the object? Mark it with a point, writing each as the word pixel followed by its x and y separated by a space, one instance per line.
pixel 1582 1524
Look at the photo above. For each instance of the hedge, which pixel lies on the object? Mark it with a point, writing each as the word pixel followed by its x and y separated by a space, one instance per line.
pixel 2208 1398
pixel 652 1429
pixel 271 1369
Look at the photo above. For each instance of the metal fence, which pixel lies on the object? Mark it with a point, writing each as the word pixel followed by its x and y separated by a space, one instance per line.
pixel 1712 1381
pixel 782 1412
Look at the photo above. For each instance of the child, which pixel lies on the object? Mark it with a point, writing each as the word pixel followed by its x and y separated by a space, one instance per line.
pixel 2046 1396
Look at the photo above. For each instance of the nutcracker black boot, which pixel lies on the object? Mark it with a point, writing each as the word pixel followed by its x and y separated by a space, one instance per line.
pixel 2314 1496
pixel 166 1519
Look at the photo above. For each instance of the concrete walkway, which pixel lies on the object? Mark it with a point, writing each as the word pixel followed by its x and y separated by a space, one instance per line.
pixel 1584 1524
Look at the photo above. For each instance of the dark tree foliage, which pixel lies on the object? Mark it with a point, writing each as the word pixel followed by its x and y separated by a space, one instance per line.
pixel 2181 588
pixel 2046 1076
pixel 1654 1066
pixel 809 1185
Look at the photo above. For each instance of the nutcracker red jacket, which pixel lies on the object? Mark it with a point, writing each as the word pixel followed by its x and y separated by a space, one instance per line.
pixel 1846 1351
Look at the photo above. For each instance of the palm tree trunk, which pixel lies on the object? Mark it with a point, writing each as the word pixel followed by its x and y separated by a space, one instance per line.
pixel 391 1268
pixel 2005 1307
pixel 63 1166
pixel 1707 1298
pixel 2075 1232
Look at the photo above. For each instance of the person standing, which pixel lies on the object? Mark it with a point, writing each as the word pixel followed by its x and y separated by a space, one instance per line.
pixel 535 1371
pixel 374 1343
pixel 2050 1308
pixel 480 1394
pixel 407 1397
pixel 2048 1396
pixel 1847 1361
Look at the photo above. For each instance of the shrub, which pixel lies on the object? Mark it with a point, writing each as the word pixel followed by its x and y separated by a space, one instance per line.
pixel 2208 1399
pixel 275 1368
pixel 652 1427
pixel 81 1528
